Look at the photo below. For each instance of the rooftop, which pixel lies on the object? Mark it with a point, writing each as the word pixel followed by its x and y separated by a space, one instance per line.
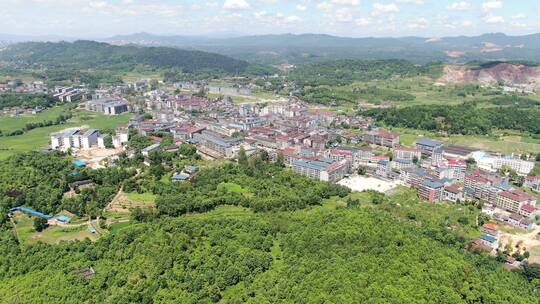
pixel 428 142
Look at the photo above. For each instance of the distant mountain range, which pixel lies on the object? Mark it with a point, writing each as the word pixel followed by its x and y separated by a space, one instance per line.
pixel 297 48
pixel 294 48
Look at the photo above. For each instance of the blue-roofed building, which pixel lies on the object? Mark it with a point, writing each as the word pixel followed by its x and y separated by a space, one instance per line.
pixel 178 177
pixel 490 240
pixel 427 146
pixel 191 169
pixel 64 219
pixel 431 190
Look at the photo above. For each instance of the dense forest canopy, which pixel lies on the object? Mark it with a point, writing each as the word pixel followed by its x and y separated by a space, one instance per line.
pixel 465 119
pixel 90 54
pixel 97 63
pixel 347 71
pixel 277 244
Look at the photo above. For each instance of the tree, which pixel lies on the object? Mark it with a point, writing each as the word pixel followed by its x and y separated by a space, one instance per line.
pixel 264 155
pixel 531 271
pixel 280 161
pixel 40 224
pixel 362 170
pixel 107 141
pixel 242 157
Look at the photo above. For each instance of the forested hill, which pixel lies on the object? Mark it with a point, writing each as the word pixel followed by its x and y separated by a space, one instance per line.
pixel 90 54
pixel 347 71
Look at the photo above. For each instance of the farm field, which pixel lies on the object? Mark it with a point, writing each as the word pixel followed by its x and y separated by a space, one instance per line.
pixel 39 137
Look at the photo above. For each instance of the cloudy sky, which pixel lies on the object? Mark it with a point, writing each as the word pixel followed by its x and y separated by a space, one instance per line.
pixel 357 18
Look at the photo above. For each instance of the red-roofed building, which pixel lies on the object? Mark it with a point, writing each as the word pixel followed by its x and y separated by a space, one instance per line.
pixel 382 138
pixel 513 200
pixel 528 211
pixel 452 193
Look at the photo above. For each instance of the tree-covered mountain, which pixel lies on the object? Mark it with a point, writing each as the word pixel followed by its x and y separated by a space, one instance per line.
pixel 298 48
pixel 90 54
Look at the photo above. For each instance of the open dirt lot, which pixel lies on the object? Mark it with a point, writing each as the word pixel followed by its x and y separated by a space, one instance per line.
pixel 361 183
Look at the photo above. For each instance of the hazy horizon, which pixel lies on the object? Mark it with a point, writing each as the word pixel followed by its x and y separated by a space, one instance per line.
pixel 93 19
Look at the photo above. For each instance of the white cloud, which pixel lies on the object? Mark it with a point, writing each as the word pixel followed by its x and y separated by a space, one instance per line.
pixel 301 7
pixel 459 6
pixel 488 6
pixel 379 8
pixel 519 16
pixel 363 21
pixel 490 19
pixel 420 23
pixel 236 4
pixel 418 2
pixel 325 6
pixel 346 2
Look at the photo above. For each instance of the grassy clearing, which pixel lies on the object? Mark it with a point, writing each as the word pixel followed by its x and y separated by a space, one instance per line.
pixel 56 234
pixel 24 226
pixel 141 197
pixel 39 137
pixel 224 211
pixel 232 187
pixel 118 226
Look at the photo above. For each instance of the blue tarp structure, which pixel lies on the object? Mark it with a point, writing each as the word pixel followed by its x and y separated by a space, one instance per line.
pixel 79 163
pixel 31 212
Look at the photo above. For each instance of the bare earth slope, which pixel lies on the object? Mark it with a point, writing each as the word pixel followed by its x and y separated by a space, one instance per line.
pixel 509 74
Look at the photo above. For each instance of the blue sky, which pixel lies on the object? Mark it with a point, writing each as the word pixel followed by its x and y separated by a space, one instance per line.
pixel 357 18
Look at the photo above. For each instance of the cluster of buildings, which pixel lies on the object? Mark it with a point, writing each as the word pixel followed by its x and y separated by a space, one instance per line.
pixel 80 139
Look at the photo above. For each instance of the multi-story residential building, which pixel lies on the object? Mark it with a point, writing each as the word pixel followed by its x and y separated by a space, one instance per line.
pixel 512 200
pixel 381 137
pixel 431 190
pixel 528 211
pixel 452 193
pixel 520 166
pixel 533 182
pixel 74 139
pixel 330 171
pixel 400 164
pixel 108 106
pixel 215 145
pixel 415 176
pixel 484 186
pixel 451 169
pixel 427 146
pixel 409 153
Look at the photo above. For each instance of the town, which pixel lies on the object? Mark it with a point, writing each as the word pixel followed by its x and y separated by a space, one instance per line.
pixel 314 142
